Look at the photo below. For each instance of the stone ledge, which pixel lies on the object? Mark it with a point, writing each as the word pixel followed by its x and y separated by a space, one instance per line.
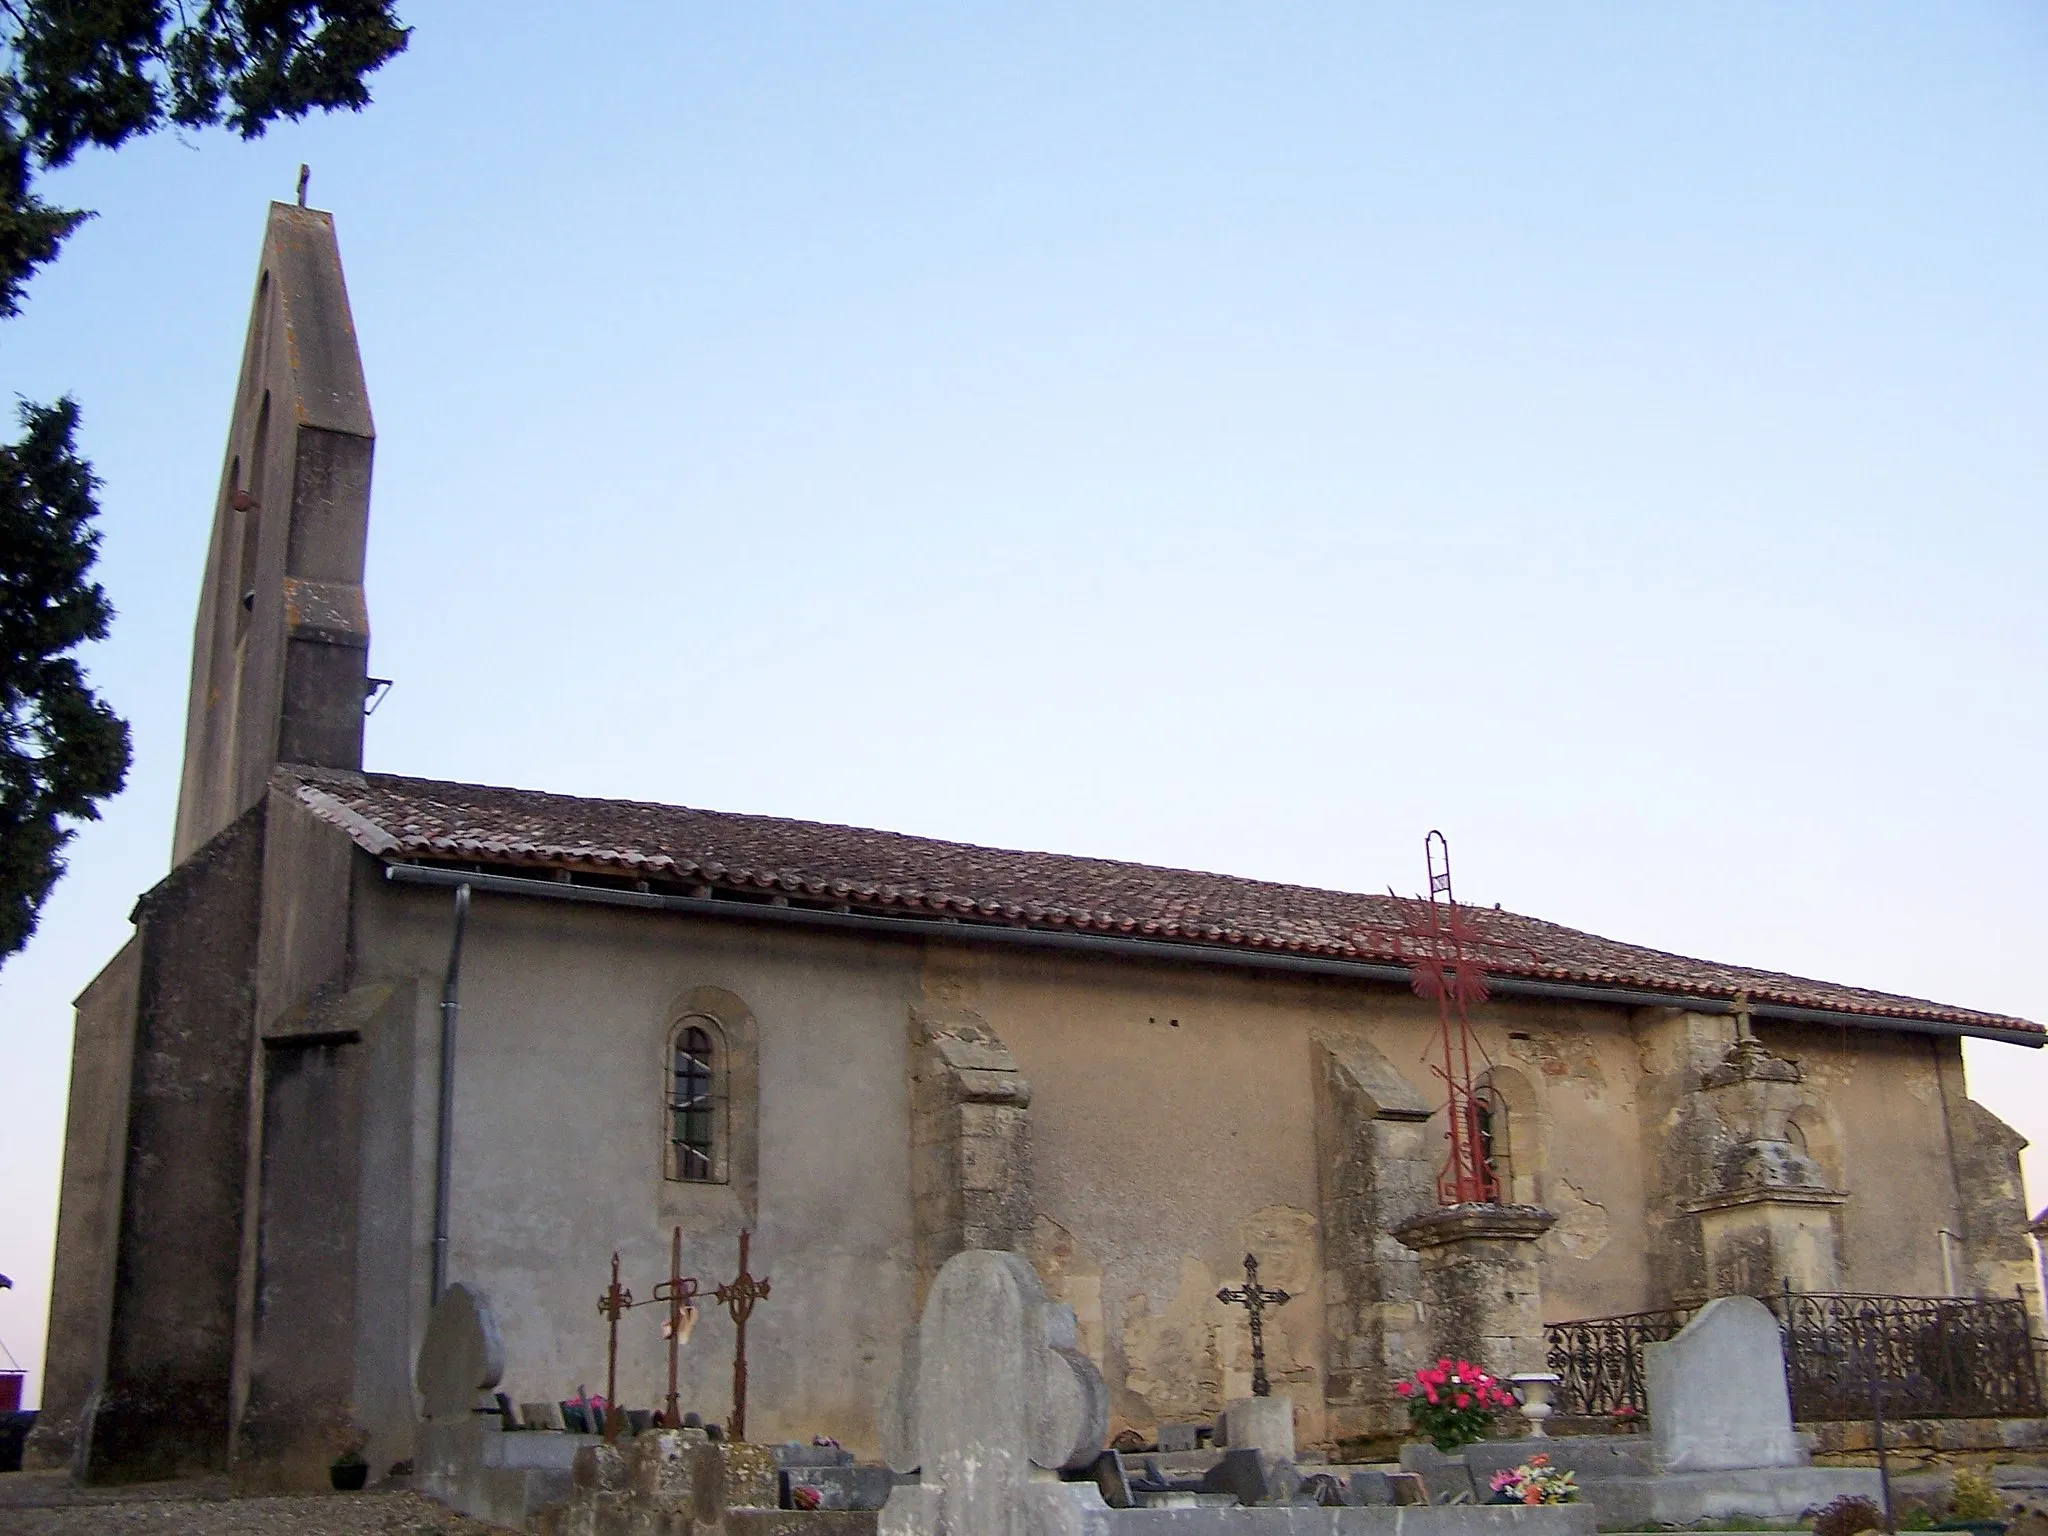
pixel 1302 1520
pixel 1853 1437
pixel 1759 1493
pixel 1461 1223
pixel 1766 1194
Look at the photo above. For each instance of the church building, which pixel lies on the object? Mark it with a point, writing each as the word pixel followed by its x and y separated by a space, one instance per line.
pixel 375 1034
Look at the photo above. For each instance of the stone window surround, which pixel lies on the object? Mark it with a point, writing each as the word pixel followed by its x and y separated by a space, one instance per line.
pixel 1520 1134
pixel 737 1068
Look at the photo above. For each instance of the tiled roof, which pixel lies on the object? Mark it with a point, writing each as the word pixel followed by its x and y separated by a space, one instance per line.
pixel 889 872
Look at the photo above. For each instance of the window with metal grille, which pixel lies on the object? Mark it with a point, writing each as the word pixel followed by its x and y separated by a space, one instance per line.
pixel 693 1106
pixel 1490 1128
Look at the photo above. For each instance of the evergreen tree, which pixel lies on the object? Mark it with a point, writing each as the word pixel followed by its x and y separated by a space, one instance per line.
pixel 61 749
pixel 74 74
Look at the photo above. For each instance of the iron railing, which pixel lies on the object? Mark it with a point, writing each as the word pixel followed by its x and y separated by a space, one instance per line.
pixel 1933 1357
pixel 1930 1357
pixel 1599 1360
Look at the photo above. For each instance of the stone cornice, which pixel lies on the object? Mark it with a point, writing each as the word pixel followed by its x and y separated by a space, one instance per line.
pixel 1462 1223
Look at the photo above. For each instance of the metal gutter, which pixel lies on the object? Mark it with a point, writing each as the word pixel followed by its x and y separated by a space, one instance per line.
pixel 1165 951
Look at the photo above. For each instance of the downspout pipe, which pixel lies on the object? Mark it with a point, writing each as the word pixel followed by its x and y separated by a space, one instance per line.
pixel 444 1145
pixel 1168 951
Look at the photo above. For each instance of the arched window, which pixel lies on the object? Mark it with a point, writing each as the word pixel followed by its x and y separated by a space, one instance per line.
pixel 697 1102
pixel 1513 1130
pixel 1490 1129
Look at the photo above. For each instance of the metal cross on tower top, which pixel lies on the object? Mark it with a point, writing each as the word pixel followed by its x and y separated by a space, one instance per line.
pixel 613 1305
pixel 738 1298
pixel 1437 937
pixel 1255 1298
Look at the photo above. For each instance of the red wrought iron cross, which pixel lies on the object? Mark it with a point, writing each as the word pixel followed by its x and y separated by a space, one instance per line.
pixel 738 1298
pixel 1443 970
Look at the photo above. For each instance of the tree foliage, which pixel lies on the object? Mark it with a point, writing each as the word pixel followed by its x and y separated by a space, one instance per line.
pixel 76 74
pixel 61 749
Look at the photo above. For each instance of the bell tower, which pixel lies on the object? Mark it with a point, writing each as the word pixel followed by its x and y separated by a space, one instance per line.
pixel 280 652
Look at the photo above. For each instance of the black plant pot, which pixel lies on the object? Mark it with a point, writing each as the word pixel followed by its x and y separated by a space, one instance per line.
pixel 349 1479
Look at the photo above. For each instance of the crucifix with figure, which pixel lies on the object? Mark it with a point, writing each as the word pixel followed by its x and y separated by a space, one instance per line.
pixel 680 1292
pixel 1255 1298
pixel 738 1298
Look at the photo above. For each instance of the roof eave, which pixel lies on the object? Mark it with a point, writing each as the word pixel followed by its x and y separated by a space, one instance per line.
pixel 1175 951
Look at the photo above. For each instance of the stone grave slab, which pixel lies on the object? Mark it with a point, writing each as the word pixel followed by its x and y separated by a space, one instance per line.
pixel 1718 1400
pixel 461 1355
pixel 992 1388
pixel 1263 1424
pixel 540 1416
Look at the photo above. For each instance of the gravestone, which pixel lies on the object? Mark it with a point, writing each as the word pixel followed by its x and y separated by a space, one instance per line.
pixel 1262 1424
pixel 1113 1479
pixel 992 1387
pixel 1244 1473
pixel 461 1355
pixel 1718 1399
pixel 540 1416
pixel 1370 1487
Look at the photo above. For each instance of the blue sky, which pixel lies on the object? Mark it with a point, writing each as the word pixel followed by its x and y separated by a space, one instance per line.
pixel 1228 436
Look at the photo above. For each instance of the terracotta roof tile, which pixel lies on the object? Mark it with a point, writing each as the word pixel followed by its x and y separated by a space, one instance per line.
pixel 916 876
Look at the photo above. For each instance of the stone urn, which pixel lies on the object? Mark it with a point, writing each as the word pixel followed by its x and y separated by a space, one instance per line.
pixel 1535 1389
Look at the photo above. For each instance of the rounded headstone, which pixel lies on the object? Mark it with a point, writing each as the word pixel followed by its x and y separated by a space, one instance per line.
pixel 461 1354
pixel 1718 1400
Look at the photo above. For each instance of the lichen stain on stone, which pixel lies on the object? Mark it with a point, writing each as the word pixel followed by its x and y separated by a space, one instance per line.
pixel 1073 1275
pixel 1185 1360
pixel 1174 1358
pixel 1582 1225
pixel 1563 1052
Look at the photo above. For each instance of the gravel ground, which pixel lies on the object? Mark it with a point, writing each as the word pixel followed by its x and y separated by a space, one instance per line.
pixel 49 1504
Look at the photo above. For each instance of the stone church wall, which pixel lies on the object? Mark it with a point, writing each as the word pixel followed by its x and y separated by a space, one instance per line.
pixel 89 1205
pixel 1135 1128
pixel 1174 1128
pixel 165 1404
pixel 566 1012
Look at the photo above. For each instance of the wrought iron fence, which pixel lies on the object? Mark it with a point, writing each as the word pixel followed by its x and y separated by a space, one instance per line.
pixel 1933 1356
pixel 1600 1359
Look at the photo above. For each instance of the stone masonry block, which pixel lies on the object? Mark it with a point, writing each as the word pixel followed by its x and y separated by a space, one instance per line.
pixel 972 1055
pixel 977 1119
pixel 995 1088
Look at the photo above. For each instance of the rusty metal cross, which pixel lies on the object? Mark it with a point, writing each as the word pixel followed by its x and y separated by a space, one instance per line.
pixel 680 1292
pixel 1255 1298
pixel 738 1298
pixel 613 1305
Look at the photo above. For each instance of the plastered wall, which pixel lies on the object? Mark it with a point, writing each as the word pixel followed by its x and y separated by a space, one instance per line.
pixel 564 1019
pixel 1171 1129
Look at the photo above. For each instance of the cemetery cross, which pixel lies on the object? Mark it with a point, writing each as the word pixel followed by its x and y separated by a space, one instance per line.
pixel 1255 1298
pixel 738 1298
pixel 612 1305
pixel 680 1292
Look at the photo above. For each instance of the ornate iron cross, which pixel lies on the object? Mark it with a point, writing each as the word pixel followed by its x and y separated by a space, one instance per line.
pixel 738 1298
pixel 613 1305
pixel 1255 1298
pixel 680 1292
